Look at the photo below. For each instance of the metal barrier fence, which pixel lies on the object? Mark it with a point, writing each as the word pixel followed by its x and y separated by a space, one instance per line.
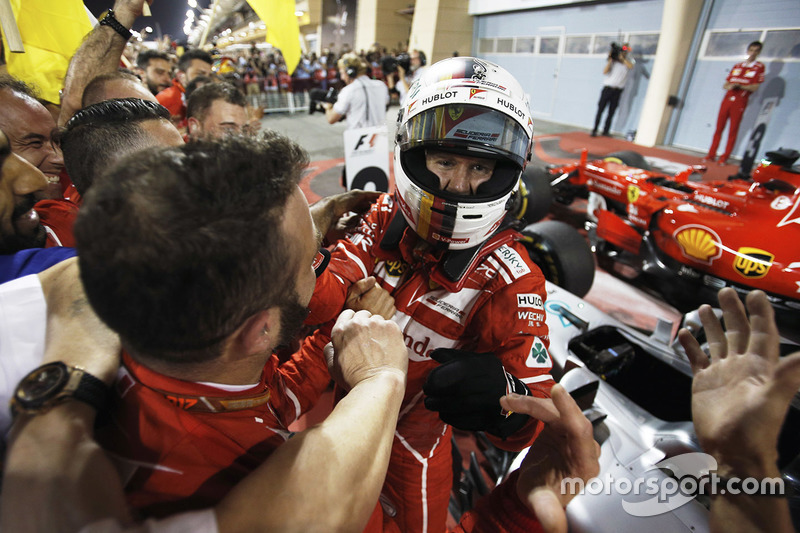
pixel 280 102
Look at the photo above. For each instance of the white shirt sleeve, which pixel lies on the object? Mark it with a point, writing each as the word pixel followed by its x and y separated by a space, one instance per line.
pixel 204 521
pixel 23 319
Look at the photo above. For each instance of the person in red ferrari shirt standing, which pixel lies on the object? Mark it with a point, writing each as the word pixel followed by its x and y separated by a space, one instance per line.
pixel 192 63
pixel 744 79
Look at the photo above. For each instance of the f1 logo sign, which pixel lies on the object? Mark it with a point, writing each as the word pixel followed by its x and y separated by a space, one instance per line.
pixel 362 138
pixel 366 158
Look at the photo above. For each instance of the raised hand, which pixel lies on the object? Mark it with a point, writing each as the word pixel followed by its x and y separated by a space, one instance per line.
pixel 564 449
pixel 741 393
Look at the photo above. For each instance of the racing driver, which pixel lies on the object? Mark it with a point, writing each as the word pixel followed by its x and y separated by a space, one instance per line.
pixel 469 300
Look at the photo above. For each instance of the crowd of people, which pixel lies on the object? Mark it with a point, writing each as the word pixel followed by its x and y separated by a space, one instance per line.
pixel 263 73
pixel 153 378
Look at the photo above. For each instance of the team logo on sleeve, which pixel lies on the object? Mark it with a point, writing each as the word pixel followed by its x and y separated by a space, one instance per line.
pixel 538 358
pixel 516 265
pixel 530 300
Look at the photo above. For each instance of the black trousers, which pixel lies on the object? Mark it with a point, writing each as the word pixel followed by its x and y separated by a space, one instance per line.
pixel 609 97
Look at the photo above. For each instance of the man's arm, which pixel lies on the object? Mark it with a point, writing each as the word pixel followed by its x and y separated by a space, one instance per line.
pixel 402 80
pixel 351 260
pixel 510 355
pixel 328 478
pixel 99 53
pixel 330 114
pixel 751 87
pixel 367 294
pixel 51 457
pixel 739 400
pixel 327 211
pixel 565 449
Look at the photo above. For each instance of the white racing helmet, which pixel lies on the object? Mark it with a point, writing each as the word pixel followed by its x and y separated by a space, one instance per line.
pixel 467 106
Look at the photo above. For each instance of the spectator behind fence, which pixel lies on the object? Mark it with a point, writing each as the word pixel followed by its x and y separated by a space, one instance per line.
pixel 191 64
pixel 156 69
pixel 215 110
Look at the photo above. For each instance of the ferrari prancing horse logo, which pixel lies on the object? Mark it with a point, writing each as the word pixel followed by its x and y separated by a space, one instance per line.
pixel 633 194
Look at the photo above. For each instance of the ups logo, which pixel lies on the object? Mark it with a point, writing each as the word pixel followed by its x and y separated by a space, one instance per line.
pixel 396 268
pixel 752 263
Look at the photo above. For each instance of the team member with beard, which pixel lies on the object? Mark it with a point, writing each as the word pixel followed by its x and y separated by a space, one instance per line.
pixel 21 233
pixel 29 128
pixel 156 69
pixel 200 258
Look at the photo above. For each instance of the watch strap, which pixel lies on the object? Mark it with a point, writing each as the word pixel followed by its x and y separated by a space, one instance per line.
pixel 111 21
pixel 77 384
pixel 92 391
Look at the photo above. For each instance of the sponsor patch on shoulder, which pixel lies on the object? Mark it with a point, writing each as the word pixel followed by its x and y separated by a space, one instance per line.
pixel 538 358
pixel 516 265
pixel 530 300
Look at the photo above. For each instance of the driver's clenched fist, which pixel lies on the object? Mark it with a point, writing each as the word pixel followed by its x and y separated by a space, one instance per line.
pixel 365 345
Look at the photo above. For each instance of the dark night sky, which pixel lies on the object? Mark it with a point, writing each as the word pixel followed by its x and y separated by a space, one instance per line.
pixel 168 15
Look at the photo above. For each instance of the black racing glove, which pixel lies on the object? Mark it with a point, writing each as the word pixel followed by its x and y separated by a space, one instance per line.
pixel 466 390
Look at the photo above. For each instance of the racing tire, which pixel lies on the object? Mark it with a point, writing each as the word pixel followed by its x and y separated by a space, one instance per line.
pixel 630 158
pixel 536 198
pixel 562 254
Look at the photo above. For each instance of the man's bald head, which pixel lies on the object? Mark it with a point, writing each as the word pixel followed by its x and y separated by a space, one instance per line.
pixel 115 85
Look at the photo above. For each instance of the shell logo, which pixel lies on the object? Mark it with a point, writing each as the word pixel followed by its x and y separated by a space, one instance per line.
pixel 698 243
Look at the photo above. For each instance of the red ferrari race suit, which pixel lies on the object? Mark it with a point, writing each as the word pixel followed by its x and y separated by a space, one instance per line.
pixel 174 99
pixel 183 445
pixel 497 307
pixel 734 104
pixel 57 217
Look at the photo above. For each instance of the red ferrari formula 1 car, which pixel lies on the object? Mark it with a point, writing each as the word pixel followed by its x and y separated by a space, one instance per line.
pixel 687 239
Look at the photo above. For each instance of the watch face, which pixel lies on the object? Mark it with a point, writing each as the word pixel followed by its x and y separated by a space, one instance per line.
pixel 41 384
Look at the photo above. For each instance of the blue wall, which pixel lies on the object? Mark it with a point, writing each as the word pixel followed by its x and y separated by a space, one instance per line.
pixel 698 117
pixel 565 88
pixel 578 80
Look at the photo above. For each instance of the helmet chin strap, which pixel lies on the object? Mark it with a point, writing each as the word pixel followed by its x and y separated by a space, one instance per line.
pixel 451 270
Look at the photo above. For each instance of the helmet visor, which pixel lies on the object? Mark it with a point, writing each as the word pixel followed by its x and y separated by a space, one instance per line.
pixel 476 130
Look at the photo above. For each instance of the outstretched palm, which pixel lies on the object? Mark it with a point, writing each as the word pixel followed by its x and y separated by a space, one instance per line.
pixel 744 377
